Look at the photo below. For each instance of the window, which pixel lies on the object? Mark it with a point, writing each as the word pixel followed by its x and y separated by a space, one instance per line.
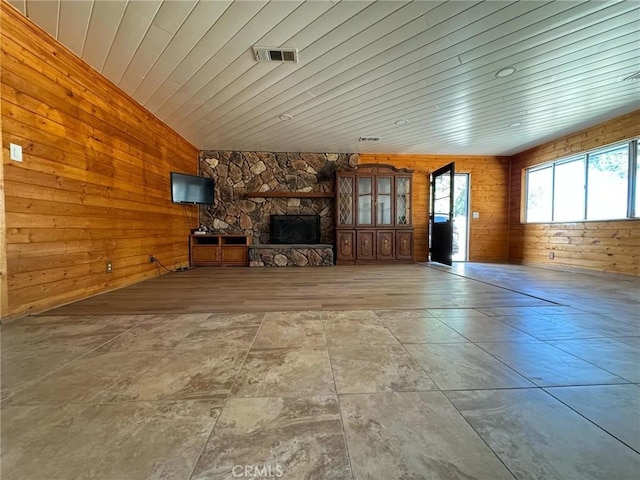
pixel 598 185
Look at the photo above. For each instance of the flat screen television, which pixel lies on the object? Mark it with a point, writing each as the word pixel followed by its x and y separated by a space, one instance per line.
pixel 191 189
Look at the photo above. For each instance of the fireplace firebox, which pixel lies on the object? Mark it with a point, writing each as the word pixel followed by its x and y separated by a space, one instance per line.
pixel 295 229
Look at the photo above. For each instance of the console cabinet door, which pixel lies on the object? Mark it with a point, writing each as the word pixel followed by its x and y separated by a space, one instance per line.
pixel 366 245
pixel 385 245
pixel 346 245
pixel 404 245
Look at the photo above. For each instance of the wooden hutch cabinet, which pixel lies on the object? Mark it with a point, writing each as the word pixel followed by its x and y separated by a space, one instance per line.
pixel 373 215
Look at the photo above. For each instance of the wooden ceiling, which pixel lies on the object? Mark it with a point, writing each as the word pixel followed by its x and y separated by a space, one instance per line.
pixel 420 75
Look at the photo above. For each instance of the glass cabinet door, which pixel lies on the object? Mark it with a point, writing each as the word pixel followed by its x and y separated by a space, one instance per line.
pixel 384 207
pixel 345 200
pixel 365 200
pixel 403 201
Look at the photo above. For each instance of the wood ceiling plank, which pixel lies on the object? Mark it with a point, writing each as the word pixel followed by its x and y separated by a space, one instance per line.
pixel 133 27
pixel 73 23
pixel 164 26
pixel 241 42
pixel 443 28
pixel 230 22
pixel 20 5
pixel 197 24
pixel 471 83
pixel 103 25
pixel 45 14
pixel 234 77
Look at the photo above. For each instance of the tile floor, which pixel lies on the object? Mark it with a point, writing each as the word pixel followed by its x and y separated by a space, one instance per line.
pixel 448 393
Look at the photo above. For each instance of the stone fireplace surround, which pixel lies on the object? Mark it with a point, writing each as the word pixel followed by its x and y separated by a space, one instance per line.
pixel 240 177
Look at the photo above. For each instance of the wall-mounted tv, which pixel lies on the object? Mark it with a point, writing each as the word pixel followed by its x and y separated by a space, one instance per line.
pixel 191 189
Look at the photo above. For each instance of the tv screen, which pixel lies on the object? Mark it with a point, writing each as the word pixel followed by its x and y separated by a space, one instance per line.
pixel 191 189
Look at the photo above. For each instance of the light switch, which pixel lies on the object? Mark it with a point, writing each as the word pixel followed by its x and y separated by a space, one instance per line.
pixel 476 214
pixel 15 152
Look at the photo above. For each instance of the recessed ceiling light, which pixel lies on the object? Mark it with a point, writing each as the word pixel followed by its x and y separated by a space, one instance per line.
pixel 515 124
pixel 402 122
pixel 284 117
pixel 505 72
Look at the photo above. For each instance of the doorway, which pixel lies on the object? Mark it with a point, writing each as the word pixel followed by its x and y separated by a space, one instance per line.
pixel 449 218
pixel 460 250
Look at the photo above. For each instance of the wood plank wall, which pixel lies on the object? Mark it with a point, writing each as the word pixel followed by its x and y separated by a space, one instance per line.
pixel 94 183
pixel 611 246
pixel 489 177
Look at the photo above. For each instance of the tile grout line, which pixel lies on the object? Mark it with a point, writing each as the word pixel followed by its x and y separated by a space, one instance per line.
pixel 213 428
pixel 335 387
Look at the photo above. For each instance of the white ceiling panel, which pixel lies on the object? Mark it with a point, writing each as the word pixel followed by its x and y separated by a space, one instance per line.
pixel 164 26
pixel 363 65
pixel 231 21
pixel 133 27
pixel 45 14
pixel 103 26
pixel 242 41
pixel 73 23
pixel 197 24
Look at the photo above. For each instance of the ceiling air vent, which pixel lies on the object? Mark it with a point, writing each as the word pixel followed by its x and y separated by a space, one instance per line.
pixel 635 77
pixel 281 55
pixel 369 139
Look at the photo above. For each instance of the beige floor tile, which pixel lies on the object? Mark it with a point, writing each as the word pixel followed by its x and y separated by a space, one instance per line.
pixel 218 320
pixel 294 315
pixel 486 329
pixel 621 417
pixel 536 436
pixel 354 331
pixel 136 441
pixel 33 435
pixel 290 438
pixel 190 374
pixel 414 435
pixel 422 330
pixel 608 354
pixel 285 372
pixel 461 366
pixel 376 368
pixel 216 336
pixel 547 366
pixel 94 377
pixel 285 333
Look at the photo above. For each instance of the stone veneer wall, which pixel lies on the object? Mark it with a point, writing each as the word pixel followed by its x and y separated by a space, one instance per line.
pixel 237 173
pixel 293 256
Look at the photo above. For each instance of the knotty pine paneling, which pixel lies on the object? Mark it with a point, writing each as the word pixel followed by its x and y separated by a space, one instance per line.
pixel 489 178
pixel 94 183
pixel 611 246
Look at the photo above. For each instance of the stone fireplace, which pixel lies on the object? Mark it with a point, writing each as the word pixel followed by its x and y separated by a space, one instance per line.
pixel 251 187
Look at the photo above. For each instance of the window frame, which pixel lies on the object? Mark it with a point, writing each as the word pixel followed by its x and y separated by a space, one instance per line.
pixel 632 183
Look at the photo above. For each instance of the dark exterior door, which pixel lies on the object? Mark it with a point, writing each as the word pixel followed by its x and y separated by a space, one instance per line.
pixel 441 220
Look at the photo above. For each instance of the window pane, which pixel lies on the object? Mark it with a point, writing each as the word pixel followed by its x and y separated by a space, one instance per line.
pixel 384 201
pixel 568 191
pixel 403 201
pixel 607 184
pixel 539 188
pixel 365 200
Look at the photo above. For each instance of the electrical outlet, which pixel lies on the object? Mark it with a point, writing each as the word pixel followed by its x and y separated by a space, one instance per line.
pixel 552 255
pixel 152 259
pixel 108 267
